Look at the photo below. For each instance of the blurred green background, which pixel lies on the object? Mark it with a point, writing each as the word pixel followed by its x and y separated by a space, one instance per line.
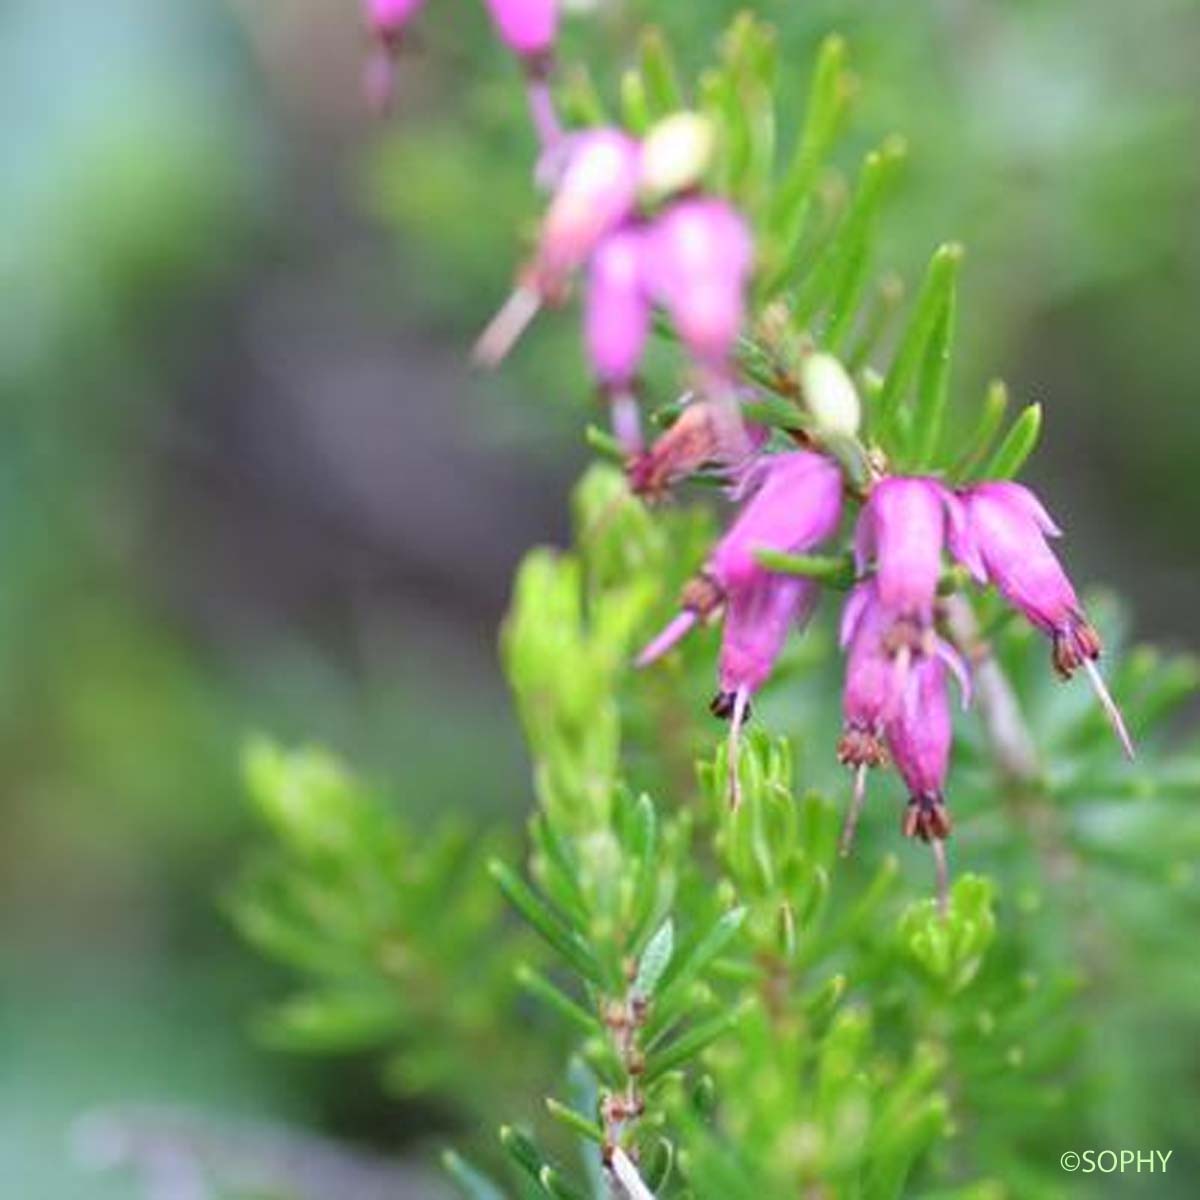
pixel 249 484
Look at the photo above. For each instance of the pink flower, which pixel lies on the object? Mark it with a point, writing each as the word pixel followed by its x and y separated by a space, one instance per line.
pixel 1009 526
pixel 596 193
pixel 386 21
pixel 758 618
pixel 904 527
pixel 796 504
pixel 616 322
pixel 919 734
pixel 387 18
pixel 867 696
pixel 876 693
pixel 700 263
pixel 527 27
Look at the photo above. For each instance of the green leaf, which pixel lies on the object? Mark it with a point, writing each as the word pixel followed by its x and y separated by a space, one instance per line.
pixel 580 99
pixel 553 1184
pixel 699 1038
pixel 566 941
pixel 933 380
pixel 538 985
pixel 705 950
pixel 603 443
pixel 655 959
pixel 930 308
pixel 979 441
pixel 884 304
pixel 333 1021
pixel 635 107
pixel 473 1184
pixel 834 570
pixel 522 1150
pixel 661 1160
pixel 776 412
pixel 1019 443
pixel 575 1121
pixel 838 278
pixel 828 99
pixel 950 947
pixel 660 78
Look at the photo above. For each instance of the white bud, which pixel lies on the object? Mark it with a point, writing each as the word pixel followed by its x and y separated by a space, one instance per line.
pixel 830 396
pixel 676 153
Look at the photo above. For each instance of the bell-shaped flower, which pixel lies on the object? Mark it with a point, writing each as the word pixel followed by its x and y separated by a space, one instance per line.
pixel 758 618
pixel 700 262
pixel 919 733
pixel 795 505
pixel 596 193
pixel 866 697
pixel 528 28
pixel 1009 527
pixel 875 693
pixel 616 323
pixel 903 527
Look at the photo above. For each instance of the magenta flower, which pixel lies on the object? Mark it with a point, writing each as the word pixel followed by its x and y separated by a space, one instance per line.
pixel 1009 526
pixel 596 193
pixel 866 698
pixel 386 22
pixel 875 693
pixel 616 322
pixel 527 27
pixel 796 504
pixel 758 618
pixel 918 734
pixel 700 262
pixel 904 527
pixel 386 19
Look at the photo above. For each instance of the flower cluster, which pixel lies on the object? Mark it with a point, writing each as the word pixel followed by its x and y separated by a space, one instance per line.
pixel 631 217
pixel 896 705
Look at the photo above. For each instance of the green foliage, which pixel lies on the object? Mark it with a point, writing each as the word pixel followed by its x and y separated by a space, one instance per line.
pixel 714 995
pixel 357 905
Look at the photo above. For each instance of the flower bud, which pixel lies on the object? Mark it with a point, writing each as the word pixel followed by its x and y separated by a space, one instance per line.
pixel 387 18
pixel 676 153
pixel 527 27
pixel 700 260
pixel 830 396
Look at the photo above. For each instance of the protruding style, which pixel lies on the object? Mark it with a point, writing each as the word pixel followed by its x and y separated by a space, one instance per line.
pixel 595 195
pixel 1010 527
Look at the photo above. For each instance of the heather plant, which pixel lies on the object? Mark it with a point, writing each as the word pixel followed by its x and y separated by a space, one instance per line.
pixel 715 966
